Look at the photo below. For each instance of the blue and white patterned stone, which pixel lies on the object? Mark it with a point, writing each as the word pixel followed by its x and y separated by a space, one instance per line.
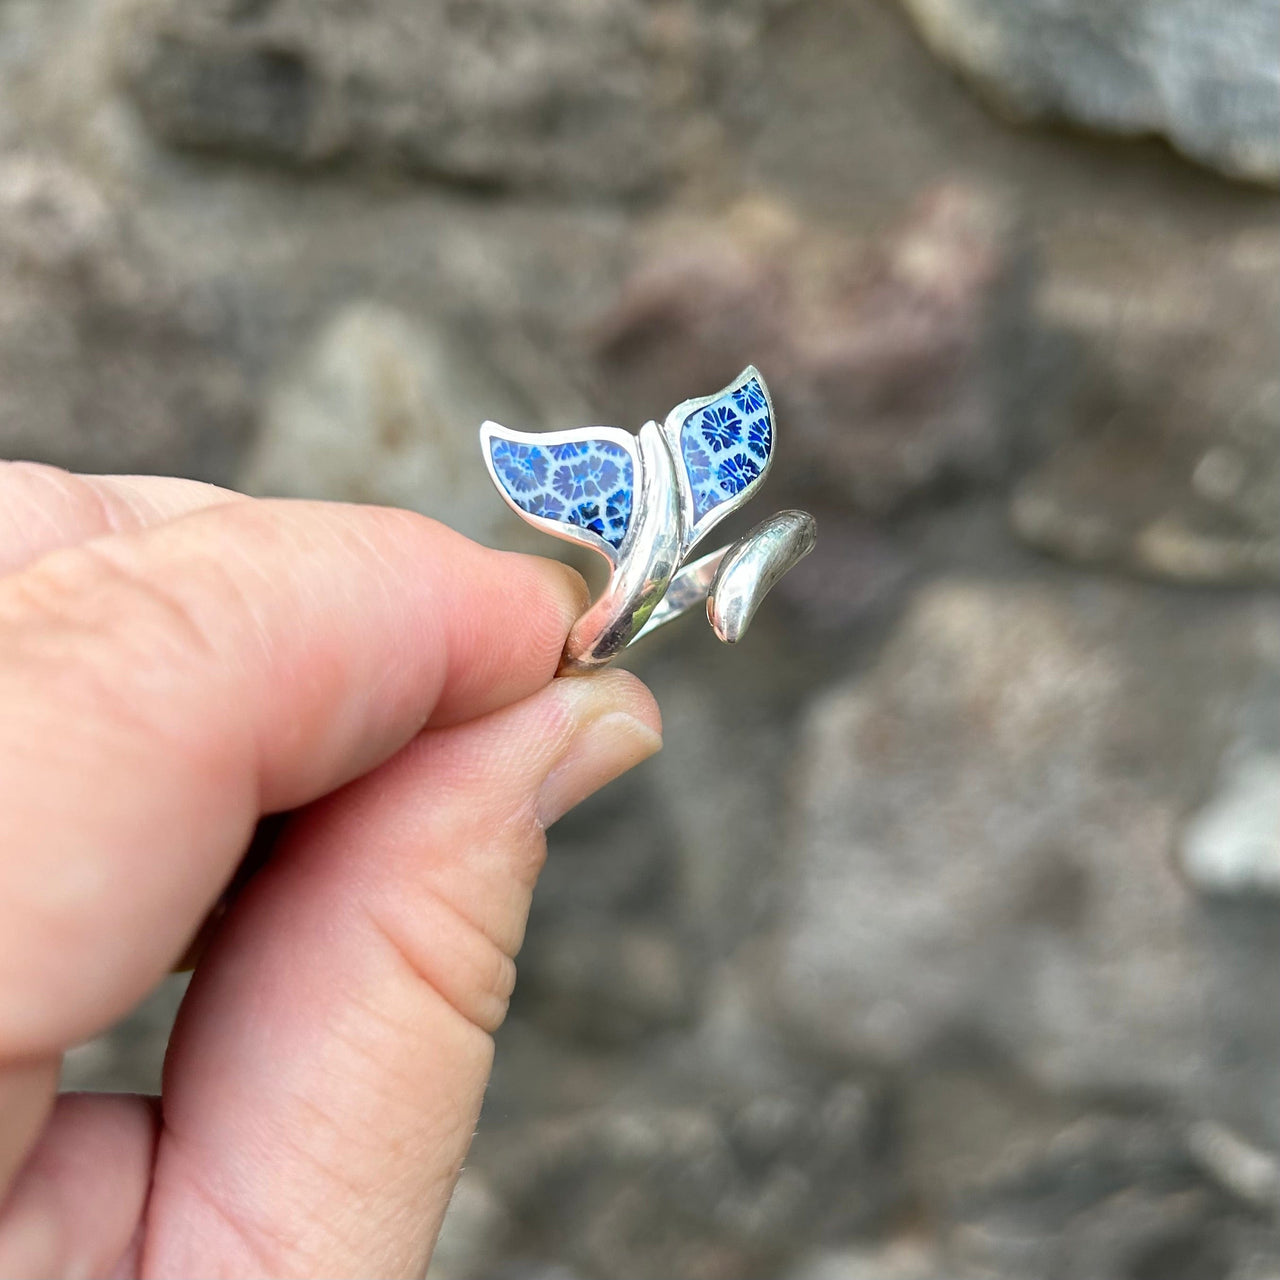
pixel 589 483
pixel 725 445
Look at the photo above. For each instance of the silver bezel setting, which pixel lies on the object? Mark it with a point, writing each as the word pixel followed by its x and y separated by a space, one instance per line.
pixel 695 531
pixel 490 431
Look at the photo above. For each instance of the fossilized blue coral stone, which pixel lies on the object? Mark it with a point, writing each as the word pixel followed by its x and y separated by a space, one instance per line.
pixel 588 483
pixel 725 445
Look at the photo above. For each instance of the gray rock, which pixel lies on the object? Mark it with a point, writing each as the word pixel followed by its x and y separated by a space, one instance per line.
pixel 1110 1198
pixel 879 352
pixel 716 1185
pixel 381 407
pixel 722 819
pixel 1232 844
pixel 854 573
pixel 1202 74
pixel 1247 1172
pixel 1172 468
pixel 474 1231
pixel 904 1258
pixel 983 844
pixel 606 983
pixel 107 361
pixel 602 98
pixel 527 1269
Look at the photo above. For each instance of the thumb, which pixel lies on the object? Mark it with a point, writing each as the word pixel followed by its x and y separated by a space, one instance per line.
pixel 326 1074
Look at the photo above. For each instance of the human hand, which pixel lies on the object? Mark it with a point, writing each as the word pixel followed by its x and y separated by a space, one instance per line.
pixel 175 662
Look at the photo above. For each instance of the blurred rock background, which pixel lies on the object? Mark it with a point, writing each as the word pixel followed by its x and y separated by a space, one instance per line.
pixel 944 936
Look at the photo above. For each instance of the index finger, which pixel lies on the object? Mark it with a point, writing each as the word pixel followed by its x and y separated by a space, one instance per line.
pixel 44 508
pixel 162 689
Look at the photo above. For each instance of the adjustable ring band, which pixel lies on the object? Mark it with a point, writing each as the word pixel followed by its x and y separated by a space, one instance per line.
pixel 729 583
pixel 644 501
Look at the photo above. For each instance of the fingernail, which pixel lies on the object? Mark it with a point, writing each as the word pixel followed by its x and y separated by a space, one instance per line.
pixel 603 746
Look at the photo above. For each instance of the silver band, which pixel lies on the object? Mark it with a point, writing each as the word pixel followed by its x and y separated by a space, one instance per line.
pixel 731 583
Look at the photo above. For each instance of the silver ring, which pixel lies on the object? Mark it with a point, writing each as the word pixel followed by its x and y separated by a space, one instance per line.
pixel 644 502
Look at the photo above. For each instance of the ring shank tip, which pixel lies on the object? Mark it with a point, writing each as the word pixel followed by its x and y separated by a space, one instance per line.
pixel 752 567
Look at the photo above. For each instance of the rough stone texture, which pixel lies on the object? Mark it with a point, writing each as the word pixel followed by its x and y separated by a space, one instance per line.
pixel 905 1258
pixel 605 983
pixel 107 362
pixel 1173 468
pixel 669 1185
pixel 605 97
pixel 1202 74
pixel 879 355
pixel 608 962
pixel 1232 845
pixel 984 834
pixel 1113 1199
pixel 474 1233
pixel 382 408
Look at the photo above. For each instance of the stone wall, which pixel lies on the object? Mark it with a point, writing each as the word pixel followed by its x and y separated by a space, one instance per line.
pixel 953 946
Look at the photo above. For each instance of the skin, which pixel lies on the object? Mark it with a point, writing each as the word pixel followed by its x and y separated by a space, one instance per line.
pixel 175 662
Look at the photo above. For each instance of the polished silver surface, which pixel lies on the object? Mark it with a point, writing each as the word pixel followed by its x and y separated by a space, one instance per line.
pixel 647 559
pixel 687 591
pixel 733 581
pixel 749 569
pixel 647 586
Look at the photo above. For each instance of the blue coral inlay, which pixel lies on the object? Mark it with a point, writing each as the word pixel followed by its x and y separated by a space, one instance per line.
pixel 588 483
pixel 750 397
pixel 726 445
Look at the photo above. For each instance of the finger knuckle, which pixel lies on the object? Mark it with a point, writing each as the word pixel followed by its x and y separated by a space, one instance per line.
pixel 449 953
